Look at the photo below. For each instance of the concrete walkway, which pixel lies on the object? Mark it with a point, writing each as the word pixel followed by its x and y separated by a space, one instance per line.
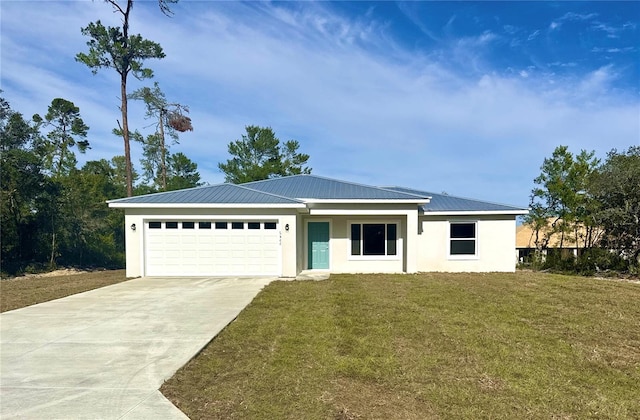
pixel 104 354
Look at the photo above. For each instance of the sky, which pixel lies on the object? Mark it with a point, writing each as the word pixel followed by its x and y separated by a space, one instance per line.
pixel 466 98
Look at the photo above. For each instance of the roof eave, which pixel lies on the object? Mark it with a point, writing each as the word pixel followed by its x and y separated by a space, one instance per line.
pixel 363 201
pixel 476 213
pixel 119 205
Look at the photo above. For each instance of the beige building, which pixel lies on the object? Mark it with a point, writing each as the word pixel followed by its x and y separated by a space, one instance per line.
pixel 569 244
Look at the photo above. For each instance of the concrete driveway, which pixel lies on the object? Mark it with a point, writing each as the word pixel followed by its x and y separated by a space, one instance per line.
pixel 104 354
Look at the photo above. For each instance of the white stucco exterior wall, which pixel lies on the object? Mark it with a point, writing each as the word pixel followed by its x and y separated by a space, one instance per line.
pixel 341 260
pixel 133 244
pixel 289 245
pixel 134 239
pixel 495 236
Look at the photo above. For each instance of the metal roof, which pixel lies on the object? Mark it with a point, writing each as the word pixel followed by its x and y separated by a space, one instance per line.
pixel 320 188
pixel 214 194
pixel 297 189
pixel 449 203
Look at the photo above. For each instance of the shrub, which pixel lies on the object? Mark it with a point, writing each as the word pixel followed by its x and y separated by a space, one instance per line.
pixel 596 260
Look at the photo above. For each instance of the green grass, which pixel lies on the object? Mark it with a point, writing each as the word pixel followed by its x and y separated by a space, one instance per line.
pixel 523 345
pixel 25 291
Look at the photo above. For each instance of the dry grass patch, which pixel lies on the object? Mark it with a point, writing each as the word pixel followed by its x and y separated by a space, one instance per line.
pixel 25 291
pixel 429 346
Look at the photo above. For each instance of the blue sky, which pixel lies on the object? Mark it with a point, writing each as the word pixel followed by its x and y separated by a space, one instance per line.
pixel 462 97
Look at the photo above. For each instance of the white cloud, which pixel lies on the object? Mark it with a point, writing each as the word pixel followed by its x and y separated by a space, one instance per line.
pixel 362 106
pixel 571 16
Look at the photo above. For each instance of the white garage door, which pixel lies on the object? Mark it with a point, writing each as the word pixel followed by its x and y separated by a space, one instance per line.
pixel 212 248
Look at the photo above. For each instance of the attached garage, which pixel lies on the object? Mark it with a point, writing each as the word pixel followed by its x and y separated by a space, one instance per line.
pixel 212 247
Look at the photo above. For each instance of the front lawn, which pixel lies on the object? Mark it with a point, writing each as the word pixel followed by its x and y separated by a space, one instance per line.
pixel 24 291
pixel 523 345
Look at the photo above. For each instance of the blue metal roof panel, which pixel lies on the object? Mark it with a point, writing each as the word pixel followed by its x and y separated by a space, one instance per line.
pixel 214 194
pixel 444 202
pixel 316 187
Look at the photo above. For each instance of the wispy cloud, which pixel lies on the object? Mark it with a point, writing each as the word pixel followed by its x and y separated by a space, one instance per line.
pixel 571 16
pixel 613 50
pixel 362 105
pixel 612 31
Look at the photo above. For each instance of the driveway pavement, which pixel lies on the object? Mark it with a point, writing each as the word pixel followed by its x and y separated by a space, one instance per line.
pixel 104 354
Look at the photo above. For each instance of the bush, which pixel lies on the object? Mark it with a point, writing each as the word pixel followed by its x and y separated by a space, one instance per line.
pixel 596 260
pixel 559 261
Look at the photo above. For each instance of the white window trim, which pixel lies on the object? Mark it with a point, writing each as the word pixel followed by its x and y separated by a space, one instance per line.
pixel 399 242
pixel 475 256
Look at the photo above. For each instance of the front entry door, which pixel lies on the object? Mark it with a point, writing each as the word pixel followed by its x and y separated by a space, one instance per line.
pixel 318 245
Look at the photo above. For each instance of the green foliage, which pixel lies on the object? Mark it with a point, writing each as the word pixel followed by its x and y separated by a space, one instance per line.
pixel 602 199
pixel 67 130
pixel 561 196
pixel 51 217
pixel 20 190
pixel 597 260
pixel 112 47
pixel 259 155
pixel 616 190
pixel 182 172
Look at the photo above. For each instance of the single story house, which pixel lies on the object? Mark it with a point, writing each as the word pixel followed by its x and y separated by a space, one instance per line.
pixel 283 226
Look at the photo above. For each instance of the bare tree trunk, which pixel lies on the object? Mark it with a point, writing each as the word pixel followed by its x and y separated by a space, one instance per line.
pixel 123 94
pixel 52 259
pixel 125 136
pixel 163 153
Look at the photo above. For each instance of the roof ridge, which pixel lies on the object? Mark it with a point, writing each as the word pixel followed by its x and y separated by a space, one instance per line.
pixel 172 191
pixel 463 198
pixel 358 184
pixel 264 192
pixel 423 194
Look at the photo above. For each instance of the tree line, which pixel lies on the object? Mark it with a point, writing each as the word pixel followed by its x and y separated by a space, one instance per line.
pixel 595 203
pixel 54 213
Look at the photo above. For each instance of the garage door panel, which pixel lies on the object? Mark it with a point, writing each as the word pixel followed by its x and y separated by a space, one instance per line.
pixel 204 252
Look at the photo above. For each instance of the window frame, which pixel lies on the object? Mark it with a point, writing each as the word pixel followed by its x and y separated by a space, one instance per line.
pixel 450 240
pixel 385 256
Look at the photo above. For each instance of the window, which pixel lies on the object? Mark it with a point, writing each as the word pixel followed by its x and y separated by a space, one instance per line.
pixel 270 225
pixel 204 225
pixel 155 225
pixel 374 239
pixel 188 225
pixel 462 238
pixel 221 225
pixel 253 225
pixel 171 225
pixel 237 225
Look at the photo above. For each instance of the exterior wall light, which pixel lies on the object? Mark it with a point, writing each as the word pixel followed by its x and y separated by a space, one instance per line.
pixel 133 227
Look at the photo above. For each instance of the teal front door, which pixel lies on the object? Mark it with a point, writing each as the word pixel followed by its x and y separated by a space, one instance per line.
pixel 318 245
